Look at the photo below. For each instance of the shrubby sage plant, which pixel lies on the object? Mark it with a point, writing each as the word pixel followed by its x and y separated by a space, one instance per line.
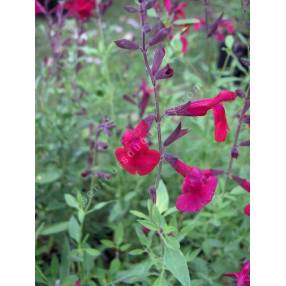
pixel 172 139
pixel 135 157
pixel 199 186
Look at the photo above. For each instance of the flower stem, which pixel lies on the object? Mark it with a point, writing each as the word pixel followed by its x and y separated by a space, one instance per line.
pixel 236 136
pixel 157 99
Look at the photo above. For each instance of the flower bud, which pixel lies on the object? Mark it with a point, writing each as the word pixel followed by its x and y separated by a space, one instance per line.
pixel 153 195
pixel 240 93
pixel 131 9
pixel 149 4
pixel 175 135
pixel 245 143
pixel 159 36
pixel 126 44
pixel 234 153
pixel 165 72
pixel 102 145
pixel 85 173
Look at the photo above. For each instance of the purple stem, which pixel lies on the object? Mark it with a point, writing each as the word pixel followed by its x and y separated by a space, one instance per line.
pixel 157 100
pixel 236 137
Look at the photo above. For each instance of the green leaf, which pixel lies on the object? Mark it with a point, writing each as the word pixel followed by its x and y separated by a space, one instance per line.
pixel 74 229
pixel 169 229
pixel 139 214
pixel 69 280
pixel 55 228
pixel 71 201
pixel 107 243
pixel 141 236
pixel 98 206
pixel 148 224
pixel 136 252
pixel 135 273
pixel 172 242
pixel 92 251
pixel 115 265
pixel 229 41
pixel 119 234
pixel 124 247
pixel 161 281
pixel 48 177
pixel 81 216
pixel 54 266
pixel 162 197
pixel 176 263
pixel 152 13
pixel 186 21
pixel 40 276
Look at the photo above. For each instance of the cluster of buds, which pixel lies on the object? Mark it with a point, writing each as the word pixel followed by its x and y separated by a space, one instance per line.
pixel 96 145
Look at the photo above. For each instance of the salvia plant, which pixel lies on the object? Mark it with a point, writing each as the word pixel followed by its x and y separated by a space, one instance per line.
pixel 136 185
pixel 136 157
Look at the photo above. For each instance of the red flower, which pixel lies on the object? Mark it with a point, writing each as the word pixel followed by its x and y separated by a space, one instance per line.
pixel 242 182
pixel 80 9
pixel 225 26
pixel 39 9
pixel 77 283
pixel 200 107
pixel 179 11
pixel 247 210
pixel 198 186
pixel 246 186
pixel 200 24
pixel 242 277
pixel 168 6
pixel 184 43
pixel 135 156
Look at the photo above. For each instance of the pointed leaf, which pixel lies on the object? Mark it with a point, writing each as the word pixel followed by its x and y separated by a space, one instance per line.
pixel 176 263
pixel 162 197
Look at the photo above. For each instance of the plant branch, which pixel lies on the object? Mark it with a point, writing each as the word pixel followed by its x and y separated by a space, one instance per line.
pixel 236 136
pixel 157 100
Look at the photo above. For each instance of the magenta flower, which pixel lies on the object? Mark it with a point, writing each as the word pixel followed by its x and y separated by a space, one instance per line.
pixel 222 28
pixel 198 186
pixel 197 26
pixel 243 277
pixel 200 107
pixel 246 186
pixel 39 9
pixel 135 156
pixel 242 182
pixel 247 210
pixel 168 6
pixel 80 9
pixel 184 43
pixel 77 283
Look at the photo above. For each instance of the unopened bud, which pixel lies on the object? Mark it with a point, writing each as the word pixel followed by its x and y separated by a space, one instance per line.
pixel 153 195
pixel 234 152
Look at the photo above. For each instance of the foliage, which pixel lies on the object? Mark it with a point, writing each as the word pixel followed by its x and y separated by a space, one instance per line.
pixel 105 230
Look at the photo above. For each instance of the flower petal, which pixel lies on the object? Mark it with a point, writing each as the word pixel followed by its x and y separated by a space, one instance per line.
pixel 195 200
pixel 220 122
pixel 168 5
pixel 146 162
pixel 184 43
pixel 247 210
pixel 181 168
pixel 125 160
